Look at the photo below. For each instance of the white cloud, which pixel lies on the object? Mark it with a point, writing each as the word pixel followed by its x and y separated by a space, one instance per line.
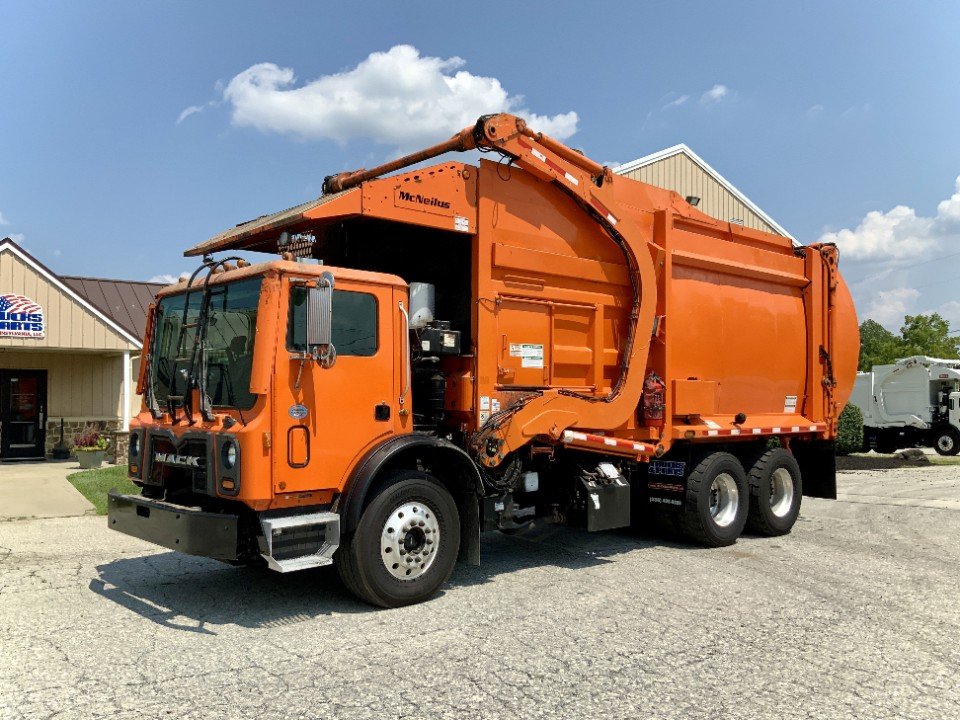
pixel 854 112
pixel 814 111
pixel 888 307
pixel 187 112
pixel 18 238
pixel 3 220
pixel 676 102
pixel 950 311
pixel 165 278
pixel 714 94
pixel 397 97
pixel 900 233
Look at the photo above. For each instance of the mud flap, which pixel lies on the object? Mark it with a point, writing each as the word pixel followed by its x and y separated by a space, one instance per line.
pixel 469 507
pixel 818 467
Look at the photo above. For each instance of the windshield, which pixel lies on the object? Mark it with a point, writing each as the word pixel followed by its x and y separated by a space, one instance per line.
pixel 231 326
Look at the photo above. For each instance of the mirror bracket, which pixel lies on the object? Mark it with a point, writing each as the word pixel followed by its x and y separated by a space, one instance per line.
pixel 320 321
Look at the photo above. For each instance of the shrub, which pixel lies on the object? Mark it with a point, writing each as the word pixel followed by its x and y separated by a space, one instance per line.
pixel 90 439
pixel 850 430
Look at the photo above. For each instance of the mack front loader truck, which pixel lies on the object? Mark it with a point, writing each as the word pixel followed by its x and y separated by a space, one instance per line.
pixel 915 402
pixel 433 352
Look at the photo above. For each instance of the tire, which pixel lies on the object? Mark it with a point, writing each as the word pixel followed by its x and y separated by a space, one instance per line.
pixel 412 516
pixel 946 441
pixel 776 491
pixel 717 501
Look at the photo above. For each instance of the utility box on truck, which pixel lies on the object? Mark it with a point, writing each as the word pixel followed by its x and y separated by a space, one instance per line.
pixel 913 402
pixel 458 348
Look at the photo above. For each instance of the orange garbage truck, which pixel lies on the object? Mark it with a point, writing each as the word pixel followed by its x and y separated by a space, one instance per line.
pixel 457 348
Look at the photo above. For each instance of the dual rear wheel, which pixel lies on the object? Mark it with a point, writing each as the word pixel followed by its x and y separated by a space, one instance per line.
pixel 723 499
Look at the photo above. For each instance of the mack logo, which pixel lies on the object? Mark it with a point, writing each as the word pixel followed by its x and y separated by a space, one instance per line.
pixel 423 200
pixel 171 459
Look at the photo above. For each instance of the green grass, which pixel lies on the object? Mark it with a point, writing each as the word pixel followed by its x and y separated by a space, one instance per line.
pixel 944 459
pixel 94 484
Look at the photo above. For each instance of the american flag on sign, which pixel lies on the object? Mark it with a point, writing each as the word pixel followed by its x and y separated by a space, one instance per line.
pixel 18 304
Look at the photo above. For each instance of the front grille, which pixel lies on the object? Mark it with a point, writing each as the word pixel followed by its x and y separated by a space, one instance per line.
pixel 178 469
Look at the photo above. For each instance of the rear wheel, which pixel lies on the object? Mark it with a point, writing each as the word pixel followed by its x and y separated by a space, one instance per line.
pixel 716 507
pixel 405 545
pixel 947 441
pixel 775 493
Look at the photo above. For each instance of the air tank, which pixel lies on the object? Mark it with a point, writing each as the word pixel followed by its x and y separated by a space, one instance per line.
pixel 422 304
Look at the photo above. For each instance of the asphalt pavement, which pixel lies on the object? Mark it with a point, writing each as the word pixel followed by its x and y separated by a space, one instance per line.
pixel 856 614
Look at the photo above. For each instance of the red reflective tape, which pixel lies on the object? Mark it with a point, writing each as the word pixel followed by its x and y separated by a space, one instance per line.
pixel 554 166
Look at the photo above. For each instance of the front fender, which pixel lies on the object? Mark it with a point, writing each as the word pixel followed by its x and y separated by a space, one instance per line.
pixel 462 474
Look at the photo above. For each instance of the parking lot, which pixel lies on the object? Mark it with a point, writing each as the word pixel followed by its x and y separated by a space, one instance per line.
pixel 856 614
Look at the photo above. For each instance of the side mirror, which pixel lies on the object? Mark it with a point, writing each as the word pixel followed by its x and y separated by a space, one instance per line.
pixel 320 321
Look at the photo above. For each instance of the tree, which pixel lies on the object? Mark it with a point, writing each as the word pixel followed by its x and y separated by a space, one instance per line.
pixel 878 346
pixel 928 335
pixel 920 335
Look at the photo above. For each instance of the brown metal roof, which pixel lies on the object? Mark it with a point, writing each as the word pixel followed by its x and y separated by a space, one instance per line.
pixel 123 301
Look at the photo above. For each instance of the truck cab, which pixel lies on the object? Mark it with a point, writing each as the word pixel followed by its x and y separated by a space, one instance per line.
pixel 946 433
pixel 242 412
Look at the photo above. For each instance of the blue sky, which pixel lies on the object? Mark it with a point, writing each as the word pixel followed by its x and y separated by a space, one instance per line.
pixel 837 118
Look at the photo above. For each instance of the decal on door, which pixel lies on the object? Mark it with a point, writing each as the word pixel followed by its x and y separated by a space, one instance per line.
pixel 530 354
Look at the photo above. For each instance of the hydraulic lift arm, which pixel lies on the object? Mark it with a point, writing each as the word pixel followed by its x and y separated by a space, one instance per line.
pixel 592 186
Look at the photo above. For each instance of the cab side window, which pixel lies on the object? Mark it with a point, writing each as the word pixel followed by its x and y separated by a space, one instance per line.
pixel 354 322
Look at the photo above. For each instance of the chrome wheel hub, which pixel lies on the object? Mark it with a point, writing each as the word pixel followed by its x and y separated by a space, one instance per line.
pixel 781 492
pixel 409 541
pixel 945 442
pixel 724 499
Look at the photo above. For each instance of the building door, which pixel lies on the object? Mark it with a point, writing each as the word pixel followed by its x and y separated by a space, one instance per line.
pixel 23 409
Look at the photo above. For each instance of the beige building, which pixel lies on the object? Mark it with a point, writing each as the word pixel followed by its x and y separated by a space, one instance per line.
pixel 69 355
pixel 680 169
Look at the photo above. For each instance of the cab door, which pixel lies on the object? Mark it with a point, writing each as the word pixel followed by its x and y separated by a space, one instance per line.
pixel 325 419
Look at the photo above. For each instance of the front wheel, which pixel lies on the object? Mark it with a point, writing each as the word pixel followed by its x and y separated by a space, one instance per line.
pixel 717 499
pixel 947 441
pixel 406 543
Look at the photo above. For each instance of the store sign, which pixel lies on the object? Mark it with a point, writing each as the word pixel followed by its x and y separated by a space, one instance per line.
pixel 20 317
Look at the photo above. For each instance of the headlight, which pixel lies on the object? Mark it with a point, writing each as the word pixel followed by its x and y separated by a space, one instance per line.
pixel 134 444
pixel 229 455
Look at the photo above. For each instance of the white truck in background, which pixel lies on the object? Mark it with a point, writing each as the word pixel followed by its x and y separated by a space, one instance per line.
pixel 913 403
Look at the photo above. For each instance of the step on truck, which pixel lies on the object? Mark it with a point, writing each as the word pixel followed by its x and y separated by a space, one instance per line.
pixel 914 402
pixel 458 348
